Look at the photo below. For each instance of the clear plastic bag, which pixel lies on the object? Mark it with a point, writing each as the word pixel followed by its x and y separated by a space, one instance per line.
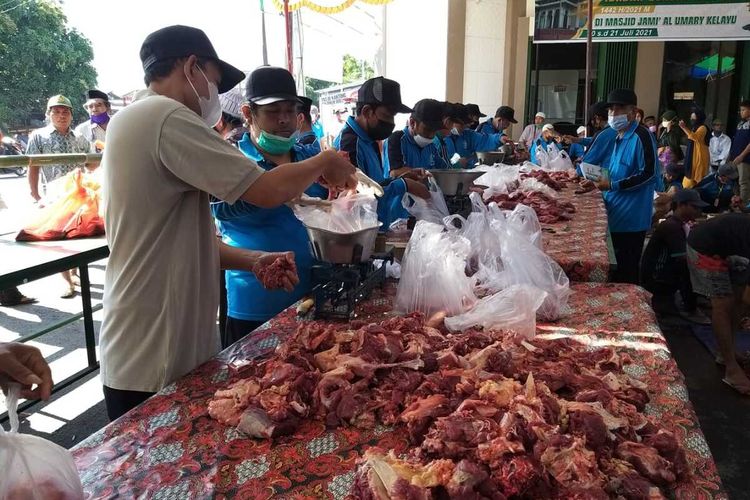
pixel 346 214
pixel 514 308
pixel 523 219
pixel 560 162
pixel 433 210
pixel 433 277
pixel 498 180
pixel 32 468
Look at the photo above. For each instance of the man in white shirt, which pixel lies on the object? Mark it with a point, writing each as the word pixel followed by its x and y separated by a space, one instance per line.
pixel 719 145
pixel 95 128
pixel 533 131
pixel 161 163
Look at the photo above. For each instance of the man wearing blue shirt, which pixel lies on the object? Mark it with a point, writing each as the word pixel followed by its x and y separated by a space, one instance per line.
pixel 629 190
pixel 414 147
pixel 378 102
pixel 317 127
pixel 467 142
pixel 545 142
pixel 305 133
pixel 599 147
pixel 270 110
pixel 504 116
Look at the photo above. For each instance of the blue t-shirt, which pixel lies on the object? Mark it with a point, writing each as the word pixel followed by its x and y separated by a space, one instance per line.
pixel 244 225
pixel 400 150
pixel 364 153
pixel 317 128
pixel 633 175
pixel 539 142
pixel 470 142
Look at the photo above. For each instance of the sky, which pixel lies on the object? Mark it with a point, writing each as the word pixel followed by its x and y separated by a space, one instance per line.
pixel 117 29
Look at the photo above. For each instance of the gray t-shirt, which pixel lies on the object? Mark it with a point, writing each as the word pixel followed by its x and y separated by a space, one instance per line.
pixel 161 290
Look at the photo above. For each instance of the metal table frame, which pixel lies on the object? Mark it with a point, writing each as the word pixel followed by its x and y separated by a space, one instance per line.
pixel 81 261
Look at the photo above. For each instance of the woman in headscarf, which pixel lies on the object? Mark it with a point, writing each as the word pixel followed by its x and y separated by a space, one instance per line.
pixel 697 157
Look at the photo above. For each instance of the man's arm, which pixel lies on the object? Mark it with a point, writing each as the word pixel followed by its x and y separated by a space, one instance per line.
pixel 393 157
pixel 486 142
pixel 646 158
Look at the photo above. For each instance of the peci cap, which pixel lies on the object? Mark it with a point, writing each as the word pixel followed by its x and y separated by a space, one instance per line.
pixel 580 130
pixel 689 196
pixel 507 113
pixel 269 84
pixel 474 110
pixel 231 102
pixel 384 92
pixel 548 126
pixel 541 115
pixel 728 170
pixel 183 41
pixel 58 100
pixel 430 112
pixel 623 97
pixel 96 94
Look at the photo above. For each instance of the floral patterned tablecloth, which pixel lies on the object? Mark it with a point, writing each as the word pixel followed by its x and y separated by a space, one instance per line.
pixel 578 245
pixel 169 448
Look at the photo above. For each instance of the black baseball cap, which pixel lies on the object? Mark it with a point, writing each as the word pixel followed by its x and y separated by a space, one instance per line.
pixel 183 41
pixel 689 196
pixel 473 109
pixel 383 92
pixel 304 105
pixel 457 112
pixel 430 112
pixel 623 97
pixel 269 84
pixel 96 94
pixel 506 112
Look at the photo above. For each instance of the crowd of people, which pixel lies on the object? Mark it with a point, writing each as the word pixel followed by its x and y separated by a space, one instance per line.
pixel 197 157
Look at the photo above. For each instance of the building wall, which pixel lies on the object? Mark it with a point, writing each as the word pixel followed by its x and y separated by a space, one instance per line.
pixel 648 72
pixel 416 44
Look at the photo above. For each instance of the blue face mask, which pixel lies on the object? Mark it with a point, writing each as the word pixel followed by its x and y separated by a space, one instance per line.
pixel 275 144
pixel 618 122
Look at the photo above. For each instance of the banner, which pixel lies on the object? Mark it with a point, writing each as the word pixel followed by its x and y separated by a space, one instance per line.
pixel 324 6
pixel 628 20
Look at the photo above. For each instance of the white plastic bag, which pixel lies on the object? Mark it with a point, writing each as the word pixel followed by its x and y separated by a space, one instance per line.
pixel 433 210
pixel 32 468
pixel 514 308
pixel 347 214
pixel 560 162
pixel 433 277
pixel 523 219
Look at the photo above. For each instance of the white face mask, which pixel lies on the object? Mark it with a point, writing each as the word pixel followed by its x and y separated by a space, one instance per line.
pixel 454 131
pixel 422 141
pixel 211 107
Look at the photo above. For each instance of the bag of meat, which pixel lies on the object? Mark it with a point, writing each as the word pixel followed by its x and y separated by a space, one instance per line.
pixel 346 214
pixel 523 220
pixel 560 162
pixel 514 308
pixel 433 210
pixel 32 468
pixel 433 273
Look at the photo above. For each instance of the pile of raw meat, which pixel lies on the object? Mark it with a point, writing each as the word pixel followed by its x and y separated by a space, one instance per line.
pixel 548 209
pixel 554 180
pixel 489 415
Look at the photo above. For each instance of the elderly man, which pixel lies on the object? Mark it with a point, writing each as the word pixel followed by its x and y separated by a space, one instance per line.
pixel 98 107
pixel 630 186
pixel 56 138
pixel 161 287
pixel 533 131
pixel 544 143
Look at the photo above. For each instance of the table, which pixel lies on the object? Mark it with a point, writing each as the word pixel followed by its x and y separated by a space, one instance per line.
pixel 580 245
pixel 170 448
pixel 23 262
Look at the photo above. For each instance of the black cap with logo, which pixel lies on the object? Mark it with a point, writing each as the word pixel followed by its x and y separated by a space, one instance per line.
pixel 506 112
pixel 623 97
pixel 474 110
pixel 304 105
pixel 430 112
pixel 183 41
pixel 383 92
pixel 269 84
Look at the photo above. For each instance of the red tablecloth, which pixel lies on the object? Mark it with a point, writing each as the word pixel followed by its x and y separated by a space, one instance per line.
pixel 170 448
pixel 580 245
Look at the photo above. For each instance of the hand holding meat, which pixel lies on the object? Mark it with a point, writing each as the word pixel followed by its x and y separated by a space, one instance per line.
pixel 338 174
pixel 277 270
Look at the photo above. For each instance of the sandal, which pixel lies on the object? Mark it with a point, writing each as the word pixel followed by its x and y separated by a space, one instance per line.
pixel 13 297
